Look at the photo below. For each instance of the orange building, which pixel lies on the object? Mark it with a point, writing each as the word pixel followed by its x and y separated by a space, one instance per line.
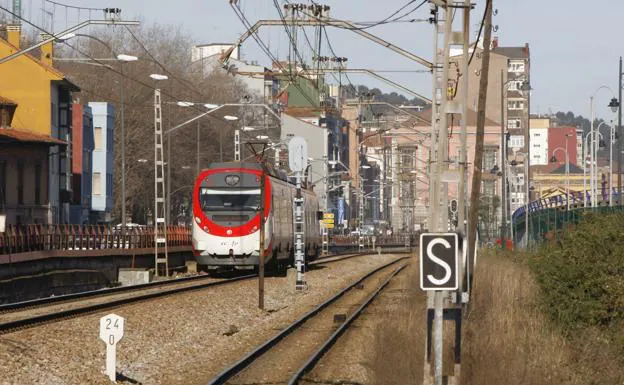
pixel 43 96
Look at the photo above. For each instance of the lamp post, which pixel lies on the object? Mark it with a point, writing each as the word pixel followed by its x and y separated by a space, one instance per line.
pixel 567 170
pixel 503 154
pixel 614 104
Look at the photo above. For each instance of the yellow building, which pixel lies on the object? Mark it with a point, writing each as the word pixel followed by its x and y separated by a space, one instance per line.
pixel 43 95
pixel 549 183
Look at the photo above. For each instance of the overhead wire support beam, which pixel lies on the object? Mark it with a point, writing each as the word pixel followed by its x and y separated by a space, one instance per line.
pixel 64 33
pixel 330 22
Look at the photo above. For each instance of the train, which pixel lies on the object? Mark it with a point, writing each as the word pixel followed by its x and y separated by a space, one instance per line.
pixel 226 218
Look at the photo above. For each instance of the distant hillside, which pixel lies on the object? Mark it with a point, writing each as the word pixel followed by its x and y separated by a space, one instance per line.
pixel 392 97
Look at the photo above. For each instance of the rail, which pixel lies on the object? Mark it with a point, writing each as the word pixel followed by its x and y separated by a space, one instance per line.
pixel 28 238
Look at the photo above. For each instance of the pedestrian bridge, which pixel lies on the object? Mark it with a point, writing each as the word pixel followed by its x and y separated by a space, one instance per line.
pixel 549 216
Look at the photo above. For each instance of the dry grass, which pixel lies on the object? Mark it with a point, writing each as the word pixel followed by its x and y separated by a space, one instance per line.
pixel 508 340
pixel 400 338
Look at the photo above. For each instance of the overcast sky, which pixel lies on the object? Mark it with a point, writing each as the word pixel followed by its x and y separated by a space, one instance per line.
pixel 574 46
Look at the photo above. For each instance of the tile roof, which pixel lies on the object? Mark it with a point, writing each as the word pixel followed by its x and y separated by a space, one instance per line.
pixel 6 101
pixel 12 135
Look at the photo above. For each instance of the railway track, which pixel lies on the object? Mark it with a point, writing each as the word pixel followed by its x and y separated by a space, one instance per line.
pixel 289 355
pixel 93 301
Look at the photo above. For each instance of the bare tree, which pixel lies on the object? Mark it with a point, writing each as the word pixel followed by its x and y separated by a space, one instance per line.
pixel 164 50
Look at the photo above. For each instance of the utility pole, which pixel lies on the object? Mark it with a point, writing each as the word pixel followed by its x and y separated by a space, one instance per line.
pixel 620 136
pixel 478 157
pixel 262 235
pixel 160 221
pixel 503 154
pixel 441 302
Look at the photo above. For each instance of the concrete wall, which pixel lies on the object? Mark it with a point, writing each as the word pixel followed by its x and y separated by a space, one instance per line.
pixel 317 150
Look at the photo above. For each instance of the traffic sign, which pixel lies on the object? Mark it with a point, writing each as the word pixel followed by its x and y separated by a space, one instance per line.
pixel 439 261
pixel 297 153
pixel 111 332
pixel 328 215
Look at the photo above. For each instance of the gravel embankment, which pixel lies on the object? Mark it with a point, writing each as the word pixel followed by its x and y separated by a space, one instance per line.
pixel 182 339
pixel 68 305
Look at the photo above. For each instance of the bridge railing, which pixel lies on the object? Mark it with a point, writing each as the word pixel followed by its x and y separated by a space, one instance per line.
pixel 26 238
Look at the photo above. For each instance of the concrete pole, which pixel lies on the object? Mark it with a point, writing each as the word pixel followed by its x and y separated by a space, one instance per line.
pixel 197 166
pixel 611 165
pixel 503 156
pixel 620 136
pixel 123 149
pixel 591 151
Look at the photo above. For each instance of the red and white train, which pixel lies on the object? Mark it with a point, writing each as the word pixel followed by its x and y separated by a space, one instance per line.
pixel 226 221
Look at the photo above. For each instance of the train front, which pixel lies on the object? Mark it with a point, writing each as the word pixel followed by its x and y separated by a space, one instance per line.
pixel 226 226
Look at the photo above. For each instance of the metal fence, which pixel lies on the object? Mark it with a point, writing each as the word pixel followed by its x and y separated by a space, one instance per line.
pixel 26 238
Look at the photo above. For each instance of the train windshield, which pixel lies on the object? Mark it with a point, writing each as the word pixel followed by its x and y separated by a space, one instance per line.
pixel 214 200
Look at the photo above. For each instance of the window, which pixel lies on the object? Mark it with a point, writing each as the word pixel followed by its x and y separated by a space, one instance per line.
pixel 515 104
pixel 20 183
pixel 516 66
pixel 489 188
pixel 489 159
pixel 515 85
pixel 514 123
pixel 516 141
pixel 38 168
pixel 97 183
pixel 4 117
pixel 3 183
pixel 97 137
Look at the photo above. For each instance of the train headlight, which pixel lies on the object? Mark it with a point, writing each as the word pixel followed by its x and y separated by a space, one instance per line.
pixel 229 232
pixel 198 220
pixel 206 229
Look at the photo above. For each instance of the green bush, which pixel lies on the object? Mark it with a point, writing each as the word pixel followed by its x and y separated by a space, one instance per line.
pixel 582 274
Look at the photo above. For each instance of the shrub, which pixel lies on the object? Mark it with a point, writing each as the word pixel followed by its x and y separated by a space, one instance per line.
pixel 581 275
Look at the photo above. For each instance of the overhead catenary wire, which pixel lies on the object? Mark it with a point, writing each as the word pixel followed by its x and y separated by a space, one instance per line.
pixel 264 48
pixel 114 70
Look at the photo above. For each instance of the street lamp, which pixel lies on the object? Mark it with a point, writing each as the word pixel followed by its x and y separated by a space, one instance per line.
pixel 159 77
pixel 613 105
pixel 567 170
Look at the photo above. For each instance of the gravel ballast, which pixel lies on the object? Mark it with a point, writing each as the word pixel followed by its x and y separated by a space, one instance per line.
pixel 181 339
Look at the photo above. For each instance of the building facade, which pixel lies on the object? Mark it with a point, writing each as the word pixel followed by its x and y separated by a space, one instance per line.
pixel 103 162
pixel 560 140
pixel 24 163
pixel 82 163
pixel 44 97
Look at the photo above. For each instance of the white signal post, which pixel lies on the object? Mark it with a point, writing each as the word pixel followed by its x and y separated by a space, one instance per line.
pixel 111 332
pixel 297 161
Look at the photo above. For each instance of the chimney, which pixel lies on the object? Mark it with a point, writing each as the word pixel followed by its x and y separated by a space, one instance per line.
pixel 47 50
pixel 14 34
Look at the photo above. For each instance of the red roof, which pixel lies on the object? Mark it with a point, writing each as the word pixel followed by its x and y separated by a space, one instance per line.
pixel 12 135
pixel 6 101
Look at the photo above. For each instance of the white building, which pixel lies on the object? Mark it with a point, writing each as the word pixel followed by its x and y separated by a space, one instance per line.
pixel 579 148
pixel 539 146
pixel 103 165
pixel 316 137
pixel 209 54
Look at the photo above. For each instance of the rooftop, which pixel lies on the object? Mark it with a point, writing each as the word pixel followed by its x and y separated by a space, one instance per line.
pixel 11 136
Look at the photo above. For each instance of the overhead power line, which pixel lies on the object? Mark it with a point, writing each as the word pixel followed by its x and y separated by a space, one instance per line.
pixel 112 69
